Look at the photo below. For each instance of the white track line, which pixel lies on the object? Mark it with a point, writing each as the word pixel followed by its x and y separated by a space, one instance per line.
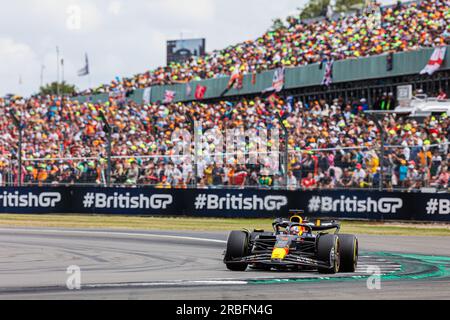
pixel 103 233
pixel 168 283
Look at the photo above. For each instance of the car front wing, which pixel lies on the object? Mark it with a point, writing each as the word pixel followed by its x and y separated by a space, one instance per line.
pixel 290 260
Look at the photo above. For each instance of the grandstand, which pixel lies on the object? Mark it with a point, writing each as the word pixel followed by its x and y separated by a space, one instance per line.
pixel 330 142
pixel 403 27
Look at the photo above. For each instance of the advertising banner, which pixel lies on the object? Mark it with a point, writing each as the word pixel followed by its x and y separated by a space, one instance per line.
pixel 34 200
pixel 370 205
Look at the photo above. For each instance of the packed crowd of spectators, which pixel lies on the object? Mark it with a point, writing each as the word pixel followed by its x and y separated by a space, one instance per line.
pixel 332 144
pixel 403 27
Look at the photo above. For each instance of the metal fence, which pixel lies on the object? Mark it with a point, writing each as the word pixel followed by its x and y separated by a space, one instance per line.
pixel 377 166
pixel 405 168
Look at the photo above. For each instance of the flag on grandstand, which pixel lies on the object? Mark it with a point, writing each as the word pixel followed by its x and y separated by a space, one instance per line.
pixel 330 11
pixel 118 95
pixel 85 71
pixel 254 78
pixel 390 61
pixel 328 76
pixel 322 62
pixel 146 95
pixel 290 104
pixel 169 96
pixel 436 60
pixel 278 81
pixel 200 92
pixel 236 80
pixel 188 90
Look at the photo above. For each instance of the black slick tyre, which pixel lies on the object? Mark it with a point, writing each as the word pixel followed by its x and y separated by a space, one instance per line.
pixel 348 250
pixel 237 247
pixel 328 252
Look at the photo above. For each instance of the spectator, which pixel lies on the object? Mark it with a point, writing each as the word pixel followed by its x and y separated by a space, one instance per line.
pixel 443 180
pixel 403 173
pixel 309 182
pixel 359 177
pixel 142 146
pixel 132 174
pixel 442 95
pixel 240 177
pixel 292 183
pixel 346 180
pixel 218 175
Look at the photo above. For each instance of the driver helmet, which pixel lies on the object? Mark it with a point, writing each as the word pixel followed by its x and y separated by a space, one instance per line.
pixel 296 230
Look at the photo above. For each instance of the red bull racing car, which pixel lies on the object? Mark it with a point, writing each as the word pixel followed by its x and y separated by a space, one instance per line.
pixel 295 244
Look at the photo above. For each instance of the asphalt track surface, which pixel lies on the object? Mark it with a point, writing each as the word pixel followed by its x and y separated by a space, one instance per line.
pixel 188 265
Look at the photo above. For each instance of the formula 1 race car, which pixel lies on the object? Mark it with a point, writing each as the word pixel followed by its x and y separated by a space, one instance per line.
pixel 295 244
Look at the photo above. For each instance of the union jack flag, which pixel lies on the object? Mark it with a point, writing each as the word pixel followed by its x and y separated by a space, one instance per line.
pixel 278 81
pixel 328 77
pixel 169 96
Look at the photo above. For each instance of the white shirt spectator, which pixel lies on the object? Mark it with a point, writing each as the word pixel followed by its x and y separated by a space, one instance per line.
pixel 359 175
pixel 292 182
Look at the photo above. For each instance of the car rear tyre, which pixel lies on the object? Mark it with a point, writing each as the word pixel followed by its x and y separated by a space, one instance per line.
pixel 328 252
pixel 348 249
pixel 237 247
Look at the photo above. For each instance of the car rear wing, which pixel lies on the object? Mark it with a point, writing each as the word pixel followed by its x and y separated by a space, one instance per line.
pixel 327 226
pixel 318 226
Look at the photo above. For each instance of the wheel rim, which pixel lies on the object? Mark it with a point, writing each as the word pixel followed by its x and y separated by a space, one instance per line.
pixel 355 254
pixel 337 257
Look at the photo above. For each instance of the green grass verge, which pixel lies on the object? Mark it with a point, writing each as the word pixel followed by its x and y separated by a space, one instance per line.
pixel 205 224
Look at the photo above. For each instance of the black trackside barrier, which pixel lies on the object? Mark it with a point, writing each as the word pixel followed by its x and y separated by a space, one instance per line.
pixel 349 204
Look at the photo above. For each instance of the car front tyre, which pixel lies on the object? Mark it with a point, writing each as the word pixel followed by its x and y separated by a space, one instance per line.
pixel 328 252
pixel 237 247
